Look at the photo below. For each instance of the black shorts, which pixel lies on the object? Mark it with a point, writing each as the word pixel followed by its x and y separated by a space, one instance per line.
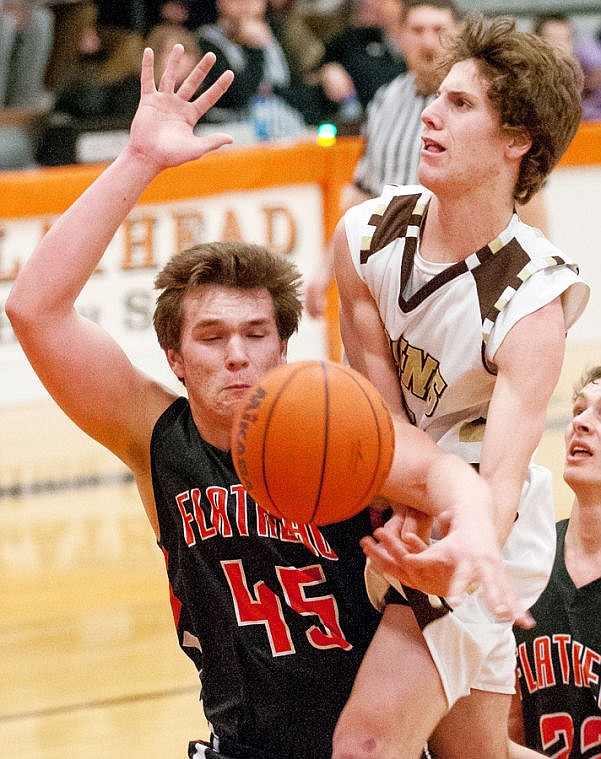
pixel 203 750
pixel 222 748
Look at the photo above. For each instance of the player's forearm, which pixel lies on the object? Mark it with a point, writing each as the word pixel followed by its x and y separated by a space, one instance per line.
pixel 509 444
pixel 70 251
pixel 505 474
pixel 455 489
pixel 432 481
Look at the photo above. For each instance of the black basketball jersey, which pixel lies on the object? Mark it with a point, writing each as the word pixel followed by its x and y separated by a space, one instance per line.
pixel 273 614
pixel 559 666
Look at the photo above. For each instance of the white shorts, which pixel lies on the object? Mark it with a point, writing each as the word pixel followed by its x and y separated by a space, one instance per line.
pixel 469 647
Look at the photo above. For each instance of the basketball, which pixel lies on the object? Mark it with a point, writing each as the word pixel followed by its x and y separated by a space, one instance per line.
pixel 313 442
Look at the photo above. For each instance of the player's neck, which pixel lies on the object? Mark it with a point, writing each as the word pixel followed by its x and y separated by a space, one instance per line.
pixel 454 229
pixel 583 543
pixel 213 428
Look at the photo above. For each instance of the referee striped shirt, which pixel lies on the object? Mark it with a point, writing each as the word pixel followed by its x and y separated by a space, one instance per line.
pixel 392 136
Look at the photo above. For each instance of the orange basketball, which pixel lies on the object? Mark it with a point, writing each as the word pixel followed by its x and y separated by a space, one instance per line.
pixel 313 442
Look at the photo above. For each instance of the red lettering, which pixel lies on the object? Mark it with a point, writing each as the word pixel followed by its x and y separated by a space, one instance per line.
pixel 217 498
pixel 181 499
pixel 294 581
pixel 590 677
pixel 526 669
pixel 557 732
pixel 562 641
pixel 267 525
pixel 543 662
pixel 577 663
pixel 241 497
pixel 262 609
pixel 321 543
pixel 206 530
pixel 591 735
pixel 297 532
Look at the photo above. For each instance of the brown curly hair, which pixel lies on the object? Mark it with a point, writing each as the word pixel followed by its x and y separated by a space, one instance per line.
pixel 532 86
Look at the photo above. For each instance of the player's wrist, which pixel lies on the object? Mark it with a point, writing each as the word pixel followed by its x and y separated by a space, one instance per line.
pixel 139 163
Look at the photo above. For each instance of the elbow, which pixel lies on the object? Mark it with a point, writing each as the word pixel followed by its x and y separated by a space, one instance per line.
pixel 20 312
pixel 13 308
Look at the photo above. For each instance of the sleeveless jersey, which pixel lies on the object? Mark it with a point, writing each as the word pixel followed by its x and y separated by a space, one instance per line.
pixel 274 614
pixel 559 666
pixel 444 334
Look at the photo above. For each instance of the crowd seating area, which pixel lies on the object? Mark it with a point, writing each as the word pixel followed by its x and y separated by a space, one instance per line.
pixel 69 68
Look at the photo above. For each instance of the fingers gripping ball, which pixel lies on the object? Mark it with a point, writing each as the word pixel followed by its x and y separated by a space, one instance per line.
pixel 313 442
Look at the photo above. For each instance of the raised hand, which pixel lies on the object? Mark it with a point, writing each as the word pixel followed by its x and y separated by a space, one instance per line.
pixel 162 129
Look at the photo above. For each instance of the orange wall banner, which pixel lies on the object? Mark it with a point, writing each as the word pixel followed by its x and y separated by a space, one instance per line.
pixel 585 148
pixel 284 196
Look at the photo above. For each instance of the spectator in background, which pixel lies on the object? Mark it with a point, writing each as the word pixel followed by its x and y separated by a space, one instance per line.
pixel 123 25
pixel 142 15
pixel 558 659
pixel 161 39
pixel 265 89
pixel 201 12
pixel 557 29
pixel 91 101
pixel 588 52
pixel 26 37
pixel 304 50
pixel 365 55
pixel 394 126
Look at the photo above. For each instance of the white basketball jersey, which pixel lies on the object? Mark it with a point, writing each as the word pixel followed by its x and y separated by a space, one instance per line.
pixel 446 322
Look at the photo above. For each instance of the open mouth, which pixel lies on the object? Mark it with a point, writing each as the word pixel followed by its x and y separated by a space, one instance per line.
pixel 578 450
pixel 431 146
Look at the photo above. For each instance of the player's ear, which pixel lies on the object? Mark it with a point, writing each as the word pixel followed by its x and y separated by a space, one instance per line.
pixel 175 362
pixel 518 142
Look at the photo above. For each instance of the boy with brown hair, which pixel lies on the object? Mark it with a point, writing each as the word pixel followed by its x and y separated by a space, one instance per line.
pixel 273 613
pixel 458 311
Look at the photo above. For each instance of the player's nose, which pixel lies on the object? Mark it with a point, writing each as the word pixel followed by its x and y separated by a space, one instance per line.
pixel 236 354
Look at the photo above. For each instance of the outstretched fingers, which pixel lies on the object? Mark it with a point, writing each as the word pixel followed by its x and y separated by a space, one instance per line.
pixel 191 84
pixel 209 97
pixel 147 84
pixel 167 81
pixel 196 77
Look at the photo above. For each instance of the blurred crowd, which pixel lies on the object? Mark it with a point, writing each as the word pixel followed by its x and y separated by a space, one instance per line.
pixel 72 67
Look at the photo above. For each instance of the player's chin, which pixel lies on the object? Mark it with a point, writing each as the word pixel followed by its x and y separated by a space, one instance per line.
pixel 233 394
pixel 230 400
